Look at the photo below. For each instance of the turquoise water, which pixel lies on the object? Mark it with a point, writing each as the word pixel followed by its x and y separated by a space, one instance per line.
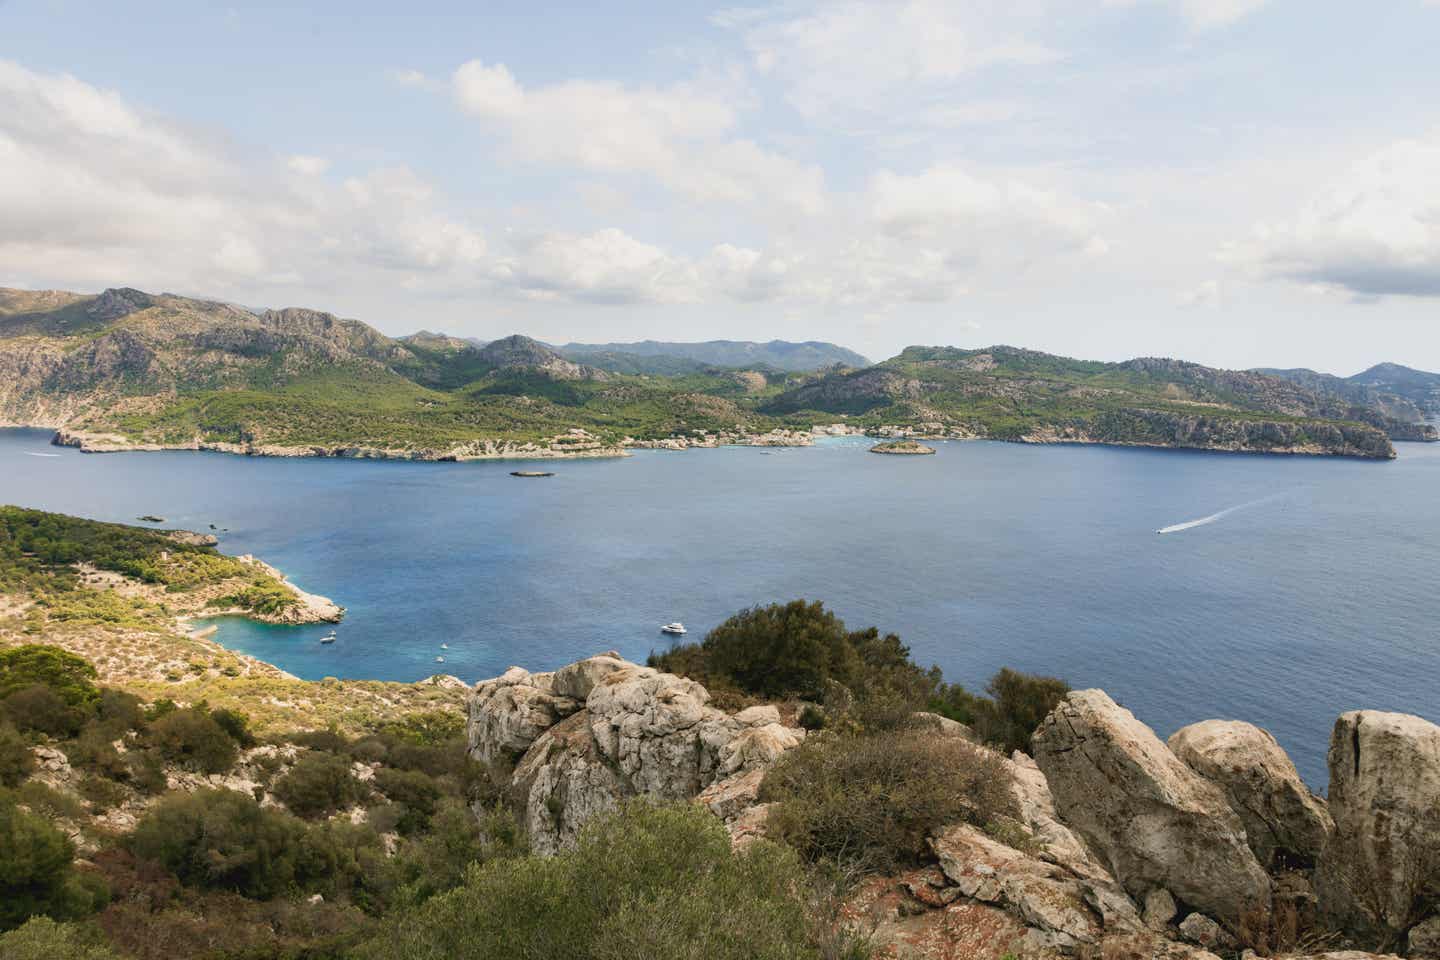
pixel 1317 595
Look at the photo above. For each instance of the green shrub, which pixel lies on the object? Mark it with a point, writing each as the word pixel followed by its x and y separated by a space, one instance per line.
pixel 236 725
pixel 36 872
pixel 223 840
pixel 416 792
pixel 16 758
pixel 798 649
pixel 646 881
pixel 872 800
pixel 325 741
pixel 1018 703
pixel 318 785
pixel 71 678
pixel 101 794
pixel 49 802
pixel 119 711
pixel 39 708
pixel 41 938
pixel 94 750
pixel 145 769
pixel 429 728
pixel 192 738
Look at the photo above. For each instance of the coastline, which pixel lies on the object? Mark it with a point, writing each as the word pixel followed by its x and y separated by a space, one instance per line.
pixel 578 444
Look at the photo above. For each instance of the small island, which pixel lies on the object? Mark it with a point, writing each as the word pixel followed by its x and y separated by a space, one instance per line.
pixel 902 448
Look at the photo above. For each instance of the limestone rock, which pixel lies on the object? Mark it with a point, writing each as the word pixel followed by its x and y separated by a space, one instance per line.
pixel 945 726
pixel 1159 909
pixel 576 680
pixel 637 732
pixel 1153 820
pixel 1280 814
pixel 1058 843
pixel 1425 939
pixel 1384 858
pixel 1204 932
pixel 510 712
pixel 563 782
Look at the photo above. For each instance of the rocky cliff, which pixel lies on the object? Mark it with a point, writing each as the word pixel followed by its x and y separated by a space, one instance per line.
pixel 1125 846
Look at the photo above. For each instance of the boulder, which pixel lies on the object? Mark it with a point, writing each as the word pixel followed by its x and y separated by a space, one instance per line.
pixel 1204 932
pixel 636 732
pixel 1160 909
pixel 1424 939
pixel 1281 816
pixel 508 713
pixel 1383 862
pixel 1058 843
pixel 1153 820
pixel 576 680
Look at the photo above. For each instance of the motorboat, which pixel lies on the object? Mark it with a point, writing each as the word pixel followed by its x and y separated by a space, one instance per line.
pixel 329 637
pixel 439 659
pixel 675 629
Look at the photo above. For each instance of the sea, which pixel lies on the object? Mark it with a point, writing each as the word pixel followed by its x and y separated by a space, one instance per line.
pixel 1189 585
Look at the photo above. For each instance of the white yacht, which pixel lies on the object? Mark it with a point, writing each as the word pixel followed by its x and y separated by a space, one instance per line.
pixel 439 659
pixel 677 628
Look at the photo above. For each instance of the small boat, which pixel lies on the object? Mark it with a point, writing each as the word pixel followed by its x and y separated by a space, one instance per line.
pixel 677 628
pixel 329 637
pixel 444 646
pixel 439 659
pixel 531 473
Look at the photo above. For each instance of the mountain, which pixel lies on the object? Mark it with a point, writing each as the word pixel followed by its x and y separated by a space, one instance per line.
pixel 1395 391
pixel 775 355
pixel 124 369
pixel 1015 394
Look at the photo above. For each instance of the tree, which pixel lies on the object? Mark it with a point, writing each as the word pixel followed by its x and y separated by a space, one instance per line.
pixel 72 678
pixel 36 871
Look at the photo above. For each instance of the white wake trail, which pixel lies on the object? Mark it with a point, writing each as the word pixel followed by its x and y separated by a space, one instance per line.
pixel 29 454
pixel 1191 524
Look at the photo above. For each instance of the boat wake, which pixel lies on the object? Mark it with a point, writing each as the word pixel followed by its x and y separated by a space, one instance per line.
pixel 1191 524
pixel 30 454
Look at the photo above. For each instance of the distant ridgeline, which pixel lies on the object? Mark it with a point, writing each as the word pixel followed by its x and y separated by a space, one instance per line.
pixel 130 370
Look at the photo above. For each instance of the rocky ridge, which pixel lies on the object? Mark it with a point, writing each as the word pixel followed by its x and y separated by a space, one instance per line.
pixel 1125 846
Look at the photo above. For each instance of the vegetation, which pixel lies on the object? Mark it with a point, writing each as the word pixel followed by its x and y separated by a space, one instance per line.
pixel 871 800
pixel 318 785
pixel 648 881
pixel 37 874
pixel 1017 704
pixel 41 938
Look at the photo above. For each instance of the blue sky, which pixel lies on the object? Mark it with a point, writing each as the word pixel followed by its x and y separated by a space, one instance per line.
pixel 1238 182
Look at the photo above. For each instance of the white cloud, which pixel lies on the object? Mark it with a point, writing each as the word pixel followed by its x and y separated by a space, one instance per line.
pixel 881 54
pixel 1203 14
pixel 97 192
pixel 607 266
pixel 679 134
pixel 1374 232
pixel 310 166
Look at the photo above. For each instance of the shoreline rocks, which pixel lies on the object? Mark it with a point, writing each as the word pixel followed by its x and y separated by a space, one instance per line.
pixel 902 448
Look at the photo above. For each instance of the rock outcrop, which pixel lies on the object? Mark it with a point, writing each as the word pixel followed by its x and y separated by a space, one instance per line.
pixel 1153 820
pixel 1282 818
pixel 1379 876
pixel 595 732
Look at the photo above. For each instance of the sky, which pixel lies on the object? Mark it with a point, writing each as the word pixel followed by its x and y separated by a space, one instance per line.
pixel 1235 182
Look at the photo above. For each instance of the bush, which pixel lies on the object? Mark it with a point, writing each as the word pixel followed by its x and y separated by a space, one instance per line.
pixel 646 881
pixel 873 800
pixel 798 649
pixel 318 785
pixel 39 708
pixel 416 792
pixel 41 938
pixel 223 840
pixel 101 794
pixel 70 677
pixel 94 750
pixel 193 739
pixel 1018 704
pixel 119 711
pixel 16 758
pixel 49 802
pixel 435 862
pixel 36 872
pixel 236 725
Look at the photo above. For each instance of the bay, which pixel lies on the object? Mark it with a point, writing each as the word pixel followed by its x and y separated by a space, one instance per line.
pixel 1307 588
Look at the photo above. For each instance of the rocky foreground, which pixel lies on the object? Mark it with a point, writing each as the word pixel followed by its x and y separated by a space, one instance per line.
pixel 1125 846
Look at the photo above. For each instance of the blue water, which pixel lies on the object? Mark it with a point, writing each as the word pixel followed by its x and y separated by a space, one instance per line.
pixel 1316 596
